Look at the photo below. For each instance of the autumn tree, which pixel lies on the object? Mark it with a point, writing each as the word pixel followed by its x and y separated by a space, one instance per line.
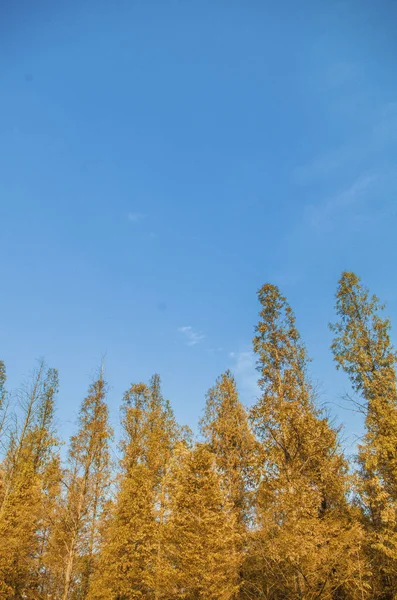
pixel 362 348
pixel 3 405
pixel 25 488
pixel 228 434
pixel 86 480
pixel 132 562
pixel 201 532
pixel 2 421
pixel 306 544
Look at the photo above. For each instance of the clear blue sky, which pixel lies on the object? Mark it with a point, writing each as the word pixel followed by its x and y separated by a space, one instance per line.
pixel 161 160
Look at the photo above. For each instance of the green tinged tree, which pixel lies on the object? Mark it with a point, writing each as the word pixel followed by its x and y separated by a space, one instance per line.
pixel 362 348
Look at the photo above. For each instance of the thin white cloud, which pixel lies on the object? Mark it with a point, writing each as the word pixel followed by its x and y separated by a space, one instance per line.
pixel 192 336
pixel 372 145
pixel 385 128
pixel 342 74
pixel 340 208
pixel 322 167
pixel 243 367
pixel 134 217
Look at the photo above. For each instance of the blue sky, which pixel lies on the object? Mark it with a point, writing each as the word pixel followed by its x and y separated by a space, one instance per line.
pixel 160 161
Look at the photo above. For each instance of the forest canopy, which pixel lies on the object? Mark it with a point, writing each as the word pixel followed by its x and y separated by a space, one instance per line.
pixel 264 504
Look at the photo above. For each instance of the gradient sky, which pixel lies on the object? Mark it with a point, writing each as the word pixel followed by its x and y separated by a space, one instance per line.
pixel 161 160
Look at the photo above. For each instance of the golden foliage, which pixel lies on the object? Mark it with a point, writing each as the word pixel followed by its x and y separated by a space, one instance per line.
pixel 362 348
pixel 264 507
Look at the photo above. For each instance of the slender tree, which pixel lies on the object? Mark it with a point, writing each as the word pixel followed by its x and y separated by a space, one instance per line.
pixel 2 382
pixel 3 404
pixel 46 465
pixel 362 348
pixel 86 480
pixel 307 544
pixel 25 486
pixel 3 417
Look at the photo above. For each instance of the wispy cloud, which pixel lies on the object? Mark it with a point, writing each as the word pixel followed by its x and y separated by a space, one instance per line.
pixel 325 216
pixel 372 145
pixel 347 189
pixel 134 217
pixel 322 167
pixel 342 73
pixel 385 128
pixel 192 336
pixel 243 367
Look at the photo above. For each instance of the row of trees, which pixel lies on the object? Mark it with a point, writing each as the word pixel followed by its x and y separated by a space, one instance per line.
pixel 265 505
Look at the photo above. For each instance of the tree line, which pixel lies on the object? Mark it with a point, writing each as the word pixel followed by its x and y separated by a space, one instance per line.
pixel 263 505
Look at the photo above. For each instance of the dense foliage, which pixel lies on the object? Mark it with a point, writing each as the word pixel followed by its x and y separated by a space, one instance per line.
pixel 264 505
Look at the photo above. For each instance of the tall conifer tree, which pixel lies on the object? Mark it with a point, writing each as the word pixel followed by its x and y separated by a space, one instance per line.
pixel 362 348
pixel 307 545
pixel 228 434
pixel 132 563
pixel 201 535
